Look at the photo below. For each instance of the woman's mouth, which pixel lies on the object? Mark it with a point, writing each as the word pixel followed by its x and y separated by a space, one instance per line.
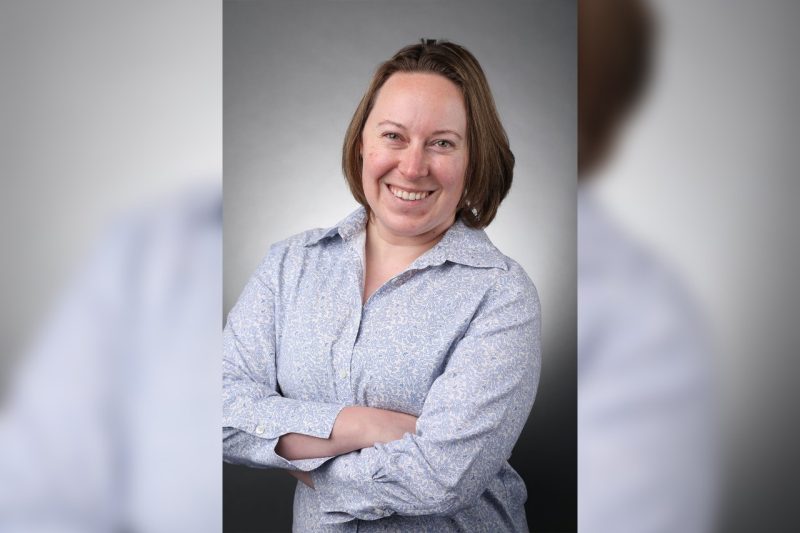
pixel 408 195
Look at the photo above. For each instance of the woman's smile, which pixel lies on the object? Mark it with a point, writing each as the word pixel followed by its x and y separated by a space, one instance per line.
pixel 409 196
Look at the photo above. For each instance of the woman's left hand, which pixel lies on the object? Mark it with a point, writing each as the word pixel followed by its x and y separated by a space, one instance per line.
pixel 305 477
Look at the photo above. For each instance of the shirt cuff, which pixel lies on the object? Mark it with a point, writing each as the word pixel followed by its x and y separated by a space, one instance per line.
pixel 315 419
pixel 254 440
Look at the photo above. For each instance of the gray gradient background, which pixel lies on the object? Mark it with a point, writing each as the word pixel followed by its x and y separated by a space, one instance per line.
pixel 293 75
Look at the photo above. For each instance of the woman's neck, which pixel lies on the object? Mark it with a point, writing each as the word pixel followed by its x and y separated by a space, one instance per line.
pixel 385 256
pixel 387 247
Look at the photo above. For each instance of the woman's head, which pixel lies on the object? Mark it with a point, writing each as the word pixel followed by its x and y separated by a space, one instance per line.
pixel 438 139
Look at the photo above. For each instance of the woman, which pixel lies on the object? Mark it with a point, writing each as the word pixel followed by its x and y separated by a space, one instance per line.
pixel 390 362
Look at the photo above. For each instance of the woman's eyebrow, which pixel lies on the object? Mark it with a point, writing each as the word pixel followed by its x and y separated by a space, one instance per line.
pixel 398 125
pixel 391 123
pixel 453 132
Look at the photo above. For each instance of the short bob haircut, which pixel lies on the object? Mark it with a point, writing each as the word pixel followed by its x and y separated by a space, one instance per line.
pixel 490 165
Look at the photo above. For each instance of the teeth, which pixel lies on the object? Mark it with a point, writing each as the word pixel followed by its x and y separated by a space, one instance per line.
pixel 405 195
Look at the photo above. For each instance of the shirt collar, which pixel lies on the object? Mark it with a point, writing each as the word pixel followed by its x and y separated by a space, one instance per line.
pixel 347 228
pixel 463 245
pixel 460 243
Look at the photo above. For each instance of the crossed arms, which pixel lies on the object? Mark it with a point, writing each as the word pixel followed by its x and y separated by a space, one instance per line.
pixel 368 463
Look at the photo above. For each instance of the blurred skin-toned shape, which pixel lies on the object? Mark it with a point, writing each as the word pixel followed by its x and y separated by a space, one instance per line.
pixel 644 417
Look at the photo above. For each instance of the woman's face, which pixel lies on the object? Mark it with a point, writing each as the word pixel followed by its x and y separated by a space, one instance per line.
pixel 414 154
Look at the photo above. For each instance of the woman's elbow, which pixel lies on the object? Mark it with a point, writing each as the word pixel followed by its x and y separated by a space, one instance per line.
pixel 449 500
pixel 436 497
pixel 238 448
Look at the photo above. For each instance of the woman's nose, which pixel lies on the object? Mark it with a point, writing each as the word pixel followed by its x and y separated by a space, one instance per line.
pixel 413 162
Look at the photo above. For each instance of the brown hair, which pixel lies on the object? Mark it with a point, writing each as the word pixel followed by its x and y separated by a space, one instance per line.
pixel 490 165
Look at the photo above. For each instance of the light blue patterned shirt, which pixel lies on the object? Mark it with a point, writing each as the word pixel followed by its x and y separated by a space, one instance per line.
pixel 453 339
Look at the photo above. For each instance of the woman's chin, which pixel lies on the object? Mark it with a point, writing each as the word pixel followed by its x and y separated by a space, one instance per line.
pixel 402 225
pixel 406 231
pixel 420 230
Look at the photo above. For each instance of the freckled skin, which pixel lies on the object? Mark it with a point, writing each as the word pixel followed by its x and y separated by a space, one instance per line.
pixel 415 139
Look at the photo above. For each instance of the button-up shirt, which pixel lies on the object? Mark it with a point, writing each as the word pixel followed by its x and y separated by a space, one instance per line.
pixel 453 340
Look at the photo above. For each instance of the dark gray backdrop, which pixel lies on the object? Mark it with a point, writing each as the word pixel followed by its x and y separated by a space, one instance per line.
pixel 293 74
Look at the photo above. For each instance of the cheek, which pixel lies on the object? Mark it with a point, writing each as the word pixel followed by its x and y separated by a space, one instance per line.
pixel 451 175
pixel 371 171
pixel 376 164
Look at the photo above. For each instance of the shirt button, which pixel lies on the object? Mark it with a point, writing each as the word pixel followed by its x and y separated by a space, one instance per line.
pixel 342 374
pixel 260 429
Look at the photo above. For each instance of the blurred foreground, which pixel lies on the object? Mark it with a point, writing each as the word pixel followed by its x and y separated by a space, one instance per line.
pixel 111 225
pixel 687 265
pixel 108 425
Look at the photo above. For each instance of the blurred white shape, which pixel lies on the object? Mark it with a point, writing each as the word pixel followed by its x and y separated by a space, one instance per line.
pixel 645 449
pixel 112 424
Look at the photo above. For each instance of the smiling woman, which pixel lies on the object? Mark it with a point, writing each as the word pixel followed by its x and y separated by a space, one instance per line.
pixel 389 362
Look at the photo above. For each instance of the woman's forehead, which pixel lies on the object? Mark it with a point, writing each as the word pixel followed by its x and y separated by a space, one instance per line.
pixel 420 100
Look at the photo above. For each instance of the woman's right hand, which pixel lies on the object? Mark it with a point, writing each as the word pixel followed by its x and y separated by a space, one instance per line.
pixel 364 426
pixel 386 426
pixel 356 427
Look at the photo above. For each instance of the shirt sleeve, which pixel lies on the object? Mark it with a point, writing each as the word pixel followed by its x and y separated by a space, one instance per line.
pixel 255 414
pixel 470 421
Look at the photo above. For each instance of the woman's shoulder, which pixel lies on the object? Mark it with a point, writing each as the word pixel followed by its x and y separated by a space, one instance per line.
pixel 293 251
pixel 515 283
pixel 305 240
pixel 478 257
pixel 294 245
pixel 508 274
pixel 515 274
pixel 505 280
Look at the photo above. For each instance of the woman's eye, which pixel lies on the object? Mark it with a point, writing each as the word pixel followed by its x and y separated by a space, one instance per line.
pixel 441 143
pixel 391 136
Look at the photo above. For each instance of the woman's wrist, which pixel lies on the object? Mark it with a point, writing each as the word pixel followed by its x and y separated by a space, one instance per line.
pixel 356 427
pixel 360 427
